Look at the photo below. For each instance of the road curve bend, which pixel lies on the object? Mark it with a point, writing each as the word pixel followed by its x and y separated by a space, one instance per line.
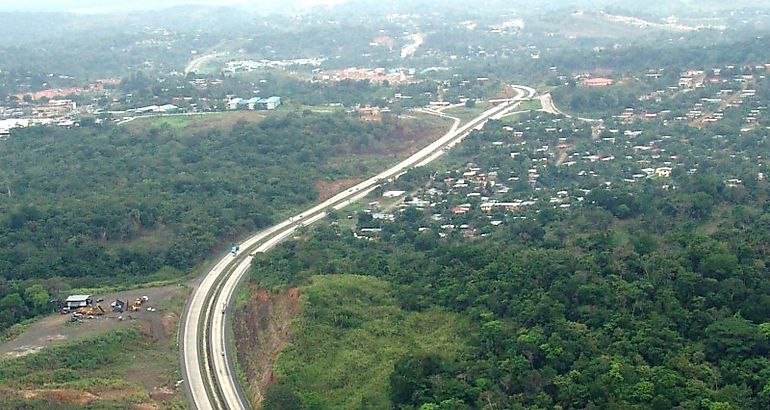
pixel 206 363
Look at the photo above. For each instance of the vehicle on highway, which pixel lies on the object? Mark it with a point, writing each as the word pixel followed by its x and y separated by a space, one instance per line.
pixel 209 293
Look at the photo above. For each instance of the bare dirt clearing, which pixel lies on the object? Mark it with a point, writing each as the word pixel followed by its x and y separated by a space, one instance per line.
pixel 140 373
pixel 55 329
pixel 327 189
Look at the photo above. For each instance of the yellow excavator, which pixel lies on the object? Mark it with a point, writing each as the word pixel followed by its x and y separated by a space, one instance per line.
pixel 137 305
pixel 91 310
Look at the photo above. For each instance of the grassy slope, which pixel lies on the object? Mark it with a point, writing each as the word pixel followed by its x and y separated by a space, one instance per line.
pixel 530 105
pixel 466 114
pixel 350 333
pixel 193 122
pixel 94 374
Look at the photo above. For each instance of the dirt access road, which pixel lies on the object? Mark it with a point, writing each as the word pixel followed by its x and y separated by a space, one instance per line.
pixel 55 329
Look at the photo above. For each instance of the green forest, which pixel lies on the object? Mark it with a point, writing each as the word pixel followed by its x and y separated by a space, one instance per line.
pixel 107 205
pixel 546 262
pixel 639 299
pixel 596 102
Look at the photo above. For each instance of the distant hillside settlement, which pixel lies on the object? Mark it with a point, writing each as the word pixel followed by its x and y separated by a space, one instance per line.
pixel 254 103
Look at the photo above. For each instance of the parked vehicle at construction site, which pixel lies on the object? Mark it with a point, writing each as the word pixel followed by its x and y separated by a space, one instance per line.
pixel 137 305
pixel 97 310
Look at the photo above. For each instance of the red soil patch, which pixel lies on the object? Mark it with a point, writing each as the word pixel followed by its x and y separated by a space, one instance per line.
pixel 406 138
pixel 69 396
pixel 327 189
pixel 261 331
pixel 96 87
pixel 294 293
pixel 162 394
pixel 75 397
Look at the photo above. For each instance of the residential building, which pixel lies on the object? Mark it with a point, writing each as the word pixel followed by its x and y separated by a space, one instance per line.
pixel 254 103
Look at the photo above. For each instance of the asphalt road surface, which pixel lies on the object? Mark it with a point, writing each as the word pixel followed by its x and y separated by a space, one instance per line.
pixel 207 366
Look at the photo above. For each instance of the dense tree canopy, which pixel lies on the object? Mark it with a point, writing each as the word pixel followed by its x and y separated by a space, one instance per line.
pixel 642 297
pixel 115 205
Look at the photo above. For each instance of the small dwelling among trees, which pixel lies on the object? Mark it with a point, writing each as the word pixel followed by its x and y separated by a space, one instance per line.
pixel 78 301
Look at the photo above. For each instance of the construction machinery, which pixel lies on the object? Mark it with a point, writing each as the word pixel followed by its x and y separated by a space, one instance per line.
pixel 91 310
pixel 137 305
pixel 118 306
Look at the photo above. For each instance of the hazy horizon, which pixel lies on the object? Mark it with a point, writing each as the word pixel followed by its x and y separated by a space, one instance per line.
pixel 106 6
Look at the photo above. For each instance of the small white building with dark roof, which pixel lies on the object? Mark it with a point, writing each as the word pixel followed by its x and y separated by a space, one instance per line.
pixel 78 301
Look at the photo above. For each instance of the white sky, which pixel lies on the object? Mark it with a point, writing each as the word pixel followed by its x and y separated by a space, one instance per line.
pixel 115 5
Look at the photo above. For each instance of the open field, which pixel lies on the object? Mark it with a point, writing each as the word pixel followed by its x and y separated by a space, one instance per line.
pixel 582 25
pixel 531 105
pixel 98 363
pixel 54 330
pixel 466 114
pixel 202 121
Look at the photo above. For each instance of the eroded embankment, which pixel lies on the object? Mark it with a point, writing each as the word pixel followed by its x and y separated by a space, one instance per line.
pixel 261 328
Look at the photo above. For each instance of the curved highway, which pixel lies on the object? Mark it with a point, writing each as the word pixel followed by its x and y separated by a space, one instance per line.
pixel 546 100
pixel 207 366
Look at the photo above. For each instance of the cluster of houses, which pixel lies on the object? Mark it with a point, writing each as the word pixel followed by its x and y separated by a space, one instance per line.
pixel 723 92
pixel 158 109
pixel 711 109
pixel 241 66
pixel 375 75
pixel 43 110
pixel 467 201
pixel 706 93
pixel 254 103
pixel 516 176
pixel 58 112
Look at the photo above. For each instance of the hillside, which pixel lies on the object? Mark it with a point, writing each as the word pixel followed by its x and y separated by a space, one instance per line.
pixel 614 265
pixel 100 205
pixel 347 338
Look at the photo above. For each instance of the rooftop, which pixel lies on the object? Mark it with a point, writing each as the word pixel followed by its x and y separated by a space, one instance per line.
pixel 77 298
